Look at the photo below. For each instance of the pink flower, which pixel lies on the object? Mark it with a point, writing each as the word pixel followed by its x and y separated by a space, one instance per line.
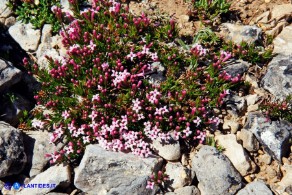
pixel 86 139
pixel 154 56
pixel 164 136
pixel 145 50
pixel 65 114
pixel 71 127
pixel 197 121
pixel 69 149
pixel 38 124
pixel 200 136
pixel 198 50
pixel 54 8
pixel 93 115
pixel 95 97
pixel 215 120
pixel 105 65
pixel 131 56
pixel 55 157
pixel 58 131
pixel 187 131
pixel 176 135
pixel 225 56
pixel 140 116
pixel 150 185
pixel 119 77
pixel 153 96
pixel 53 138
pixel 136 105
pixel 92 46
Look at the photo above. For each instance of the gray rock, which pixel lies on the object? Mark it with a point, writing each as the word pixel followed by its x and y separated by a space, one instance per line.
pixel 46 48
pixel 168 151
pixel 12 153
pixel 235 104
pixel 248 139
pixel 43 61
pixel 25 35
pixel 215 172
pixel 255 188
pixel 274 20
pixel 265 158
pixel 4 9
pixel 2 184
pixel 110 172
pixel 10 21
pixel 252 80
pixel 251 99
pixel 283 42
pixel 179 176
pixel 278 79
pixel 187 190
pixel 158 74
pixel 30 83
pixel 285 184
pixel 36 146
pixel 236 154
pixel 9 75
pixel 239 33
pixel 12 108
pixel 57 176
pixel 66 6
pixel 274 136
pixel 236 67
pixel 232 125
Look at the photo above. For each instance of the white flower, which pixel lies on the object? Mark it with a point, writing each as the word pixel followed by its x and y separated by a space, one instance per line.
pixel 131 56
pixel 145 50
pixel 37 124
pixel 136 106
pixel 197 121
pixel 140 116
pixel 187 131
pixel 105 65
pixel 95 97
pixel 65 114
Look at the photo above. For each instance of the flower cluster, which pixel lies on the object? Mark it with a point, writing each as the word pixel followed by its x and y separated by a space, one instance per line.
pixel 156 179
pixel 100 92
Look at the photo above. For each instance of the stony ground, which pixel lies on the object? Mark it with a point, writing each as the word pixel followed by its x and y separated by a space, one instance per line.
pixel 257 156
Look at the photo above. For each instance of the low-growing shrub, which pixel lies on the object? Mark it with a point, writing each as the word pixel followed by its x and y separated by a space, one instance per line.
pixel 37 12
pixel 209 10
pixel 102 92
pixel 278 110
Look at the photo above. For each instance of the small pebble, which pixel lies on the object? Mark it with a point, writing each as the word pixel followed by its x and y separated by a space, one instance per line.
pixel 260 152
pixel 286 161
pixel 265 158
pixel 263 168
pixel 248 178
pixel 184 160
pixel 274 180
pixel 271 172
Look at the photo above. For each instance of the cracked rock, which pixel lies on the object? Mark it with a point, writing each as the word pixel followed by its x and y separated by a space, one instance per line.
pixel 278 79
pixel 272 135
pixel 215 172
pixel 255 188
pixel 25 35
pixel 110 172
pixel 12 156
